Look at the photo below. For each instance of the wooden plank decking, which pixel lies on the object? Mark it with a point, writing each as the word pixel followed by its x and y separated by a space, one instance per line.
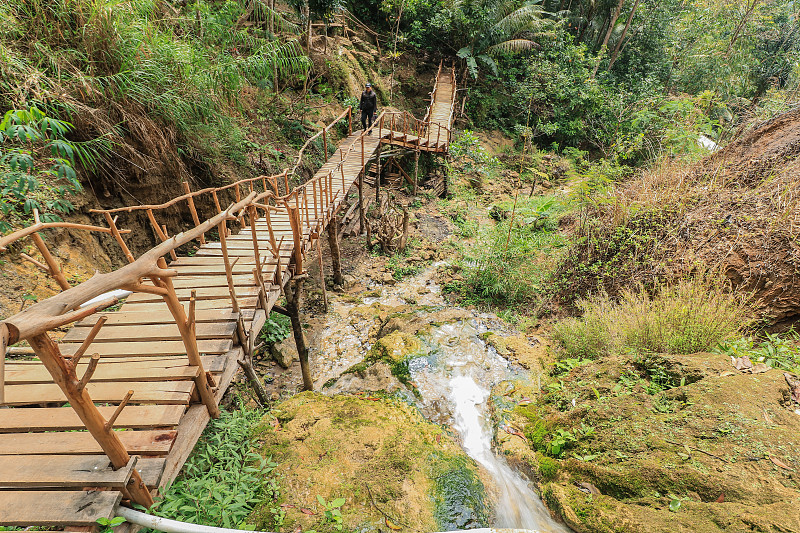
pixel 50 466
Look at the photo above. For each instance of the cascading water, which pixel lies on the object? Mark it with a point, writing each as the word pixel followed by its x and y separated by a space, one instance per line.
pixel 454 381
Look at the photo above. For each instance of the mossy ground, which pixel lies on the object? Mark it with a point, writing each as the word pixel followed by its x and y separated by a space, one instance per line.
pixel 723 444
pixel 379 454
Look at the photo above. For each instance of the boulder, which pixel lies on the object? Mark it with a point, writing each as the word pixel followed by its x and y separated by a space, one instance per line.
pixel 284 352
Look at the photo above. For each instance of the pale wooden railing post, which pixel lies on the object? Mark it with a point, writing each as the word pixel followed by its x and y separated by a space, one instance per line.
pixel 3 345
pixel 192 208
pixel 112 225
pixel 189 341
pixel 52 265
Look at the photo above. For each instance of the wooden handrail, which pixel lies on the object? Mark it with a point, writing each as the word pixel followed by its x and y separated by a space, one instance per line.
pixel 34 228
pixel 57 311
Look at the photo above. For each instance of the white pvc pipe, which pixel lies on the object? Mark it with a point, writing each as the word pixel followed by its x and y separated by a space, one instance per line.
pixel 116 293
pixel 167 525
pixel 173 526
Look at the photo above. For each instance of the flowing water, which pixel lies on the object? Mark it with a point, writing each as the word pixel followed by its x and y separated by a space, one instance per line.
pixel 454 381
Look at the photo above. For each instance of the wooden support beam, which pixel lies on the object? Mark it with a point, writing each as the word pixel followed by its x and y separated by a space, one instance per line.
pixel 190 342
pixel 322 274
pixel 333 244
pixel 294 293
pixel 79 399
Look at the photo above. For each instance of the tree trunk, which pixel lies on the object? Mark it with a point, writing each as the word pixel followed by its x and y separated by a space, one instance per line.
pixel 333 244
pixel 739 27
pixel 294 292
pixel 615 53
pixel 612 22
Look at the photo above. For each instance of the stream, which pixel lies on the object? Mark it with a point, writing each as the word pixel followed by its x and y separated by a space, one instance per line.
pixel 454 381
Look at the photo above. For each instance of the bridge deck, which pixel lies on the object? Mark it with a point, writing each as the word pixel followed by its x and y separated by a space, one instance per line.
pixel 52 471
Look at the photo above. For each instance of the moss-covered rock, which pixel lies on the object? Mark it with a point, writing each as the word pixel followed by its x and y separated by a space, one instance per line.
pixel 394 348
pixel 377 454
pixel 723 448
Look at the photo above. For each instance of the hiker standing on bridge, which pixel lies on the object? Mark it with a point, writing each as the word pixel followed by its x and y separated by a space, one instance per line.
pixel 368 106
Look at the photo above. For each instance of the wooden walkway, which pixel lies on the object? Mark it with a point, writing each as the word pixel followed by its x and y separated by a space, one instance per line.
pixel 111 412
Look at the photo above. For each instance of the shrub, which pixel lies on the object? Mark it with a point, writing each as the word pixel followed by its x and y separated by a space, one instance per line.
pixel 690 316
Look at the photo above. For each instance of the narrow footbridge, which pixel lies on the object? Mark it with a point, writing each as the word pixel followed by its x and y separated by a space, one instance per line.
pixel 109 412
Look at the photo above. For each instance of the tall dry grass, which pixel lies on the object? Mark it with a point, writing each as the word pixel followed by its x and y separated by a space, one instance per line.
pixel 692 315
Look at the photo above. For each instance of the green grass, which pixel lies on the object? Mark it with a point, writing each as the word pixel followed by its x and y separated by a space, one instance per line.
pixel 508 266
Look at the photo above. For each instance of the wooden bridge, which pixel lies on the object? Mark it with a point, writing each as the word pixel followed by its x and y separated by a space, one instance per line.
pixel 110 412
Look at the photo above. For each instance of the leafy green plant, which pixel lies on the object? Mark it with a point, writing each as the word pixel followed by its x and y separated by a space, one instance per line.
pixel 275 329
pixel 776 351
pixel 333 511
pixel 108 525
pixel 224 478
pixel 37 164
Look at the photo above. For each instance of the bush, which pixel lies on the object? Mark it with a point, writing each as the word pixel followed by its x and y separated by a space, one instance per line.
pixel 691 316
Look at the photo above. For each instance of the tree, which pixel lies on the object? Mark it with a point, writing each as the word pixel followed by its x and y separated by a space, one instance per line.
pixel 493 27
pixel 35 155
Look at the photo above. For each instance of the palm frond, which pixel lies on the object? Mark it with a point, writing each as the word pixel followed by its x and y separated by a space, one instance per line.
pixel 513 46
pixel 527 18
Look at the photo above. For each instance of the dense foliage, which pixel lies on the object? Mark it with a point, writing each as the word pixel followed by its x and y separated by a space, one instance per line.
pixel 628 79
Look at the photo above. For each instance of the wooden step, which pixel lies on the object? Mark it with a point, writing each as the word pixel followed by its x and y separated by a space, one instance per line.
pixel 128 349
pixel 66 419
pixel 151 442
pixel 164 332
pixel 129 316
pixel 160 392
pixel 107 370
pixel 57 508
pixel 62 471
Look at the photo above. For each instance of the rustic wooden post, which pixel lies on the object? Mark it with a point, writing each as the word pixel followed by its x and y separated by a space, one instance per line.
pixel 193 209
pixel 294 222
pixel 55 271
pixel 64 376
pixel 3 345
pixel 118 237
pixel 189 341
pixel 333 244
pixel 322 273
pixel 160 232
pixel 378 175
pixel 350 121
pixel 416 171
pixel 293 302
pixel 325 141
pixel 256 253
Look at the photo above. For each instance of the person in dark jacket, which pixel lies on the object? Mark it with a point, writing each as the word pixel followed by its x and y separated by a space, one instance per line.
pixel 368 106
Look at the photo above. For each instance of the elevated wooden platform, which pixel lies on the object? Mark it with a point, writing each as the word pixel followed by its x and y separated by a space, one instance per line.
pixel 53 472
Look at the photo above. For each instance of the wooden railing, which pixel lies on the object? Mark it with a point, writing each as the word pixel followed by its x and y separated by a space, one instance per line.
pixel 309 206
